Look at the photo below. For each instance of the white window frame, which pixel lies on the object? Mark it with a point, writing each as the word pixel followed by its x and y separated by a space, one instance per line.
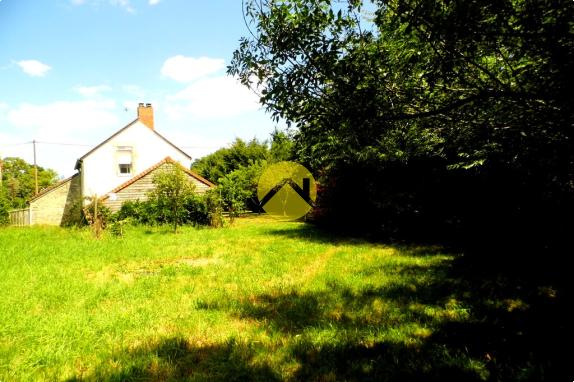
pixel 120 152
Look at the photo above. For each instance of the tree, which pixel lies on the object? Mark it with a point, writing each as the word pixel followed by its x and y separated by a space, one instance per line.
pixel 4 208
pixel 448 112
pixel 18 181
pixel 170 195
pixel 238 189
pixel 225 160
pixel 243 154
pixel 281 147
pixel 237 169
pixel 353 84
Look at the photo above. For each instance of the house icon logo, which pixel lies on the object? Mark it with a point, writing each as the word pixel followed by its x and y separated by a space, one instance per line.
pixel 286 190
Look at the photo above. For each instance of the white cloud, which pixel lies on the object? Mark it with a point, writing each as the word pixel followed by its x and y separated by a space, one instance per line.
pixel 75 123
pixel 91 91
pixel 187 69
pixel 208 93
pixel 196 143
pixel 130 105
pixel 211 98
pixel 125 4
pixel 64 119
pixel 153 2
pixel 134 90
pixel 34 68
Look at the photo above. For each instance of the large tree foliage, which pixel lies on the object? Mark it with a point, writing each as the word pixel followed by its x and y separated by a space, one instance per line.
pixel 422 110
pixel 486 71
pixel 18 182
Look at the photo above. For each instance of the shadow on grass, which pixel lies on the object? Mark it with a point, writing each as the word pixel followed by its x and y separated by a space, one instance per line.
pixel 514 304
pixel 488 332
pixel 309 233
pixel 453 320
pixel 175 359
pixel 315 234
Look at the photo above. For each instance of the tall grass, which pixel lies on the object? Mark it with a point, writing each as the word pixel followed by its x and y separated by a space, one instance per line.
pixel 260 300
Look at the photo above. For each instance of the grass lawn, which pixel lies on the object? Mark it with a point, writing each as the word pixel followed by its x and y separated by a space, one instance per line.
pixel 260 300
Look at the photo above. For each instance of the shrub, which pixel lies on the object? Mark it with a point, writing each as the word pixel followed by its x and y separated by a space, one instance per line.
pixel 171 192
pixel 138 212
pixel 74 215
pixel 99 219
pixel 197 210
pixel 214 205
pixel 238 189
pixel 117 227
pixel 4 208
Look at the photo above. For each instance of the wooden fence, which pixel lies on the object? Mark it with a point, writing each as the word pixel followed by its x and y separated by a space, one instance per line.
pixel 20 217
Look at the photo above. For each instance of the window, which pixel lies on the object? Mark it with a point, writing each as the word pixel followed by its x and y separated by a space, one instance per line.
pixel 124 156
pixel 125 168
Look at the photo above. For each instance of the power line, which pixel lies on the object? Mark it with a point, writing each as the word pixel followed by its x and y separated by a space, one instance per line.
pixel 79 144
pixel 46 143
pixel 64 144
pixel 15 144
pixel 86 145
pixel 200 147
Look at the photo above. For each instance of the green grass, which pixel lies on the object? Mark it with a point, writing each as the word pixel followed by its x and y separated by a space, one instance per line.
pixel 260 300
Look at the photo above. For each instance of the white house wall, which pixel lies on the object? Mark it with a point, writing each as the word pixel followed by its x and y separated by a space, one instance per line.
pixel 100 168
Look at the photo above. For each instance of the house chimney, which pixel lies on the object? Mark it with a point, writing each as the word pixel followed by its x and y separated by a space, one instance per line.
pixel 145 114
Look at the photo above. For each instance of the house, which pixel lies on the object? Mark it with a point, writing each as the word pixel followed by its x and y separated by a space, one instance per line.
pixel 120 168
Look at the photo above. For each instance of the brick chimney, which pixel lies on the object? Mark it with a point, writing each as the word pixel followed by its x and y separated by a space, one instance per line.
pixel 145 114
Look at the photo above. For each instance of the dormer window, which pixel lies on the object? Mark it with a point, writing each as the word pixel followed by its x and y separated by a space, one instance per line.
pixel 124 155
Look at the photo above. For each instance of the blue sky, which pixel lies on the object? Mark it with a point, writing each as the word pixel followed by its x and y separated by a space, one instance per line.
pixel 73 71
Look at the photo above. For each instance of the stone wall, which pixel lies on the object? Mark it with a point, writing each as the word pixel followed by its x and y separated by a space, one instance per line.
pixel 59 205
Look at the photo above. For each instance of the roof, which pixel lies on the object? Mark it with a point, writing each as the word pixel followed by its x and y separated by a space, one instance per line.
pixel 155 167
pixel 52 187
pixel 117 133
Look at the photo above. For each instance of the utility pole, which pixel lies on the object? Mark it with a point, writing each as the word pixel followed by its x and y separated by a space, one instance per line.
pixel 0 172
pixel 35 168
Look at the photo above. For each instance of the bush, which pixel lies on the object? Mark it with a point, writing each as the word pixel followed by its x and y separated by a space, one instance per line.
pixel 139 212
pixel 171 192
pixel 214 205
pixel 99 219
pixel 4 208
pixel 197 210
pixel 238 189
pixel 74 215
pixel 117 227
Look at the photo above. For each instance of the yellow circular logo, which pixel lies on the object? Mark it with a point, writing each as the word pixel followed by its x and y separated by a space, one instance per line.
pixel 286 190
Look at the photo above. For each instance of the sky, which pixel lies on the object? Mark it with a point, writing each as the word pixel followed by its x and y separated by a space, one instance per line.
pixel 73 71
